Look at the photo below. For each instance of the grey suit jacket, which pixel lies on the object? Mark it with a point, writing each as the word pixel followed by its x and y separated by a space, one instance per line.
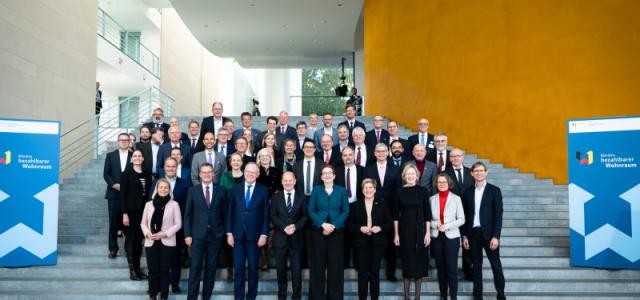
pixel 219 166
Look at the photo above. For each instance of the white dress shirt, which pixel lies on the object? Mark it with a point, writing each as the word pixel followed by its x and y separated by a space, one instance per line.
pixel 123 159
pixel 479 191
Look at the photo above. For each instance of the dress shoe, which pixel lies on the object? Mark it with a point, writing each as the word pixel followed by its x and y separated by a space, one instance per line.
pixel 140 273
pixel 392 278
pixel 176 289
pixel 112 254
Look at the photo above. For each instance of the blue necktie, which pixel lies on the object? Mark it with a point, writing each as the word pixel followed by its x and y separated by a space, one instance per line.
pixel 247 196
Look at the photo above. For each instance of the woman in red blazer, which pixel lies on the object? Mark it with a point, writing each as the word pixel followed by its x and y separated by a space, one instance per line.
pixel 161 220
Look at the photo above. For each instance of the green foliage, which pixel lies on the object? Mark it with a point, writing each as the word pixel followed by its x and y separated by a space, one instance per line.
pixel 318 93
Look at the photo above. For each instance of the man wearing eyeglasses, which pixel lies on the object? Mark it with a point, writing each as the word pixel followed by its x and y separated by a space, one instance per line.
pixel 114 164
pixel 440 156
pixel 423 137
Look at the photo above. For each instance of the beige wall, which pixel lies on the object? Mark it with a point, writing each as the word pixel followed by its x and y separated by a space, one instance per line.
pixel 48 60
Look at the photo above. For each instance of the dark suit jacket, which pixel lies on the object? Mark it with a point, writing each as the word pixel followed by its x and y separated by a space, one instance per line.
pixel 255 133
pixel 207 126
pixel 405 145
pixel 380 216
pixel 281 219
pixel 165 128
pixel 415 139
pixel 490 211
pixel 298 150
pixel 467 180
pixel 112 173
pixel 298 170
pixel 131 190
pixel 272 181
pixel 180 191
pixel 432 155
pixel 199 145
pixel 370 138
pixel 356 123
pixel 197 217
pixel 392 180
pixel 248 222
pixel 289 134
pixel 229 147
pixel 335 159
pixel 165 151
pixel 147 154
pixel 341 179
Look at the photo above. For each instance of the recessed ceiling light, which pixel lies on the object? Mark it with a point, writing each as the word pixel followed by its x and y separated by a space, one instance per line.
pixel 206 26
pixel 285 25
pixel 325 21
pixel 252 5
pixel 290 40
pixel 339 4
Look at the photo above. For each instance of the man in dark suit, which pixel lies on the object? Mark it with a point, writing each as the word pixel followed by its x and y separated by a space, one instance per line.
pixel 241 148
pixel 98 98
pixel 223 145
pixel 114 164
pixel 247 229
pixel 363 154
pixel 289 217
pixel 289 157
pixel 392 127
pixel 157 120
pixel 440 156
pixel 461 175
pixel 193 138
pixel 378 134
pixel 179 190
pixel 483 208
pixel 203 224
pixel 284 131
pixel 398 157
pixel 150 151
pixel 386 175
pixel 343 139
pixel 184 138
pixel 307 170
pixel 165 150
pixel 301 137
pixel 145 137
pixel 422 137
pixel 326 154
pixel 350 176
pixel 351 122
pixel 272 123
pixel 246 120
pixel 214 122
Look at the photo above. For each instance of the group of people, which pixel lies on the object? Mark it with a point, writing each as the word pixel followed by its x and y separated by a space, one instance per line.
pixel 313 195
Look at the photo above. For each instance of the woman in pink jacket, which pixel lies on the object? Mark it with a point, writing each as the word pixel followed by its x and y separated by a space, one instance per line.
pixel 161 220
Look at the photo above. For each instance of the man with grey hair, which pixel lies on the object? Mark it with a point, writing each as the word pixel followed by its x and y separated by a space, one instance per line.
pixel 184 138
pixel 363 153
pixel 427 169
pixel 174 142
pixel 215 121
pixel 440 156
pixel 313 125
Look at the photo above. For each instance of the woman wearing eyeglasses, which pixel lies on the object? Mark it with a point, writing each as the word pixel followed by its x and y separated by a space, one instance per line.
pixel 328 210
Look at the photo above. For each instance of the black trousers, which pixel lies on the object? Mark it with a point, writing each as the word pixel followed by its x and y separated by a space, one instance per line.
pixel 477 243
pixel 159 260
pixel 368 266
pixel 133 237
pixel 294 257
pixel 466 263
pixel 445 252
pixel 327 255
pixel 391 256
pixel 203 250
pixel 115 223
pixel 349 252
pixel 175 268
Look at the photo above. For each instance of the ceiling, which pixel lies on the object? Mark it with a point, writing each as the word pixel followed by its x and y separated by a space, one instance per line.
pixel 275 33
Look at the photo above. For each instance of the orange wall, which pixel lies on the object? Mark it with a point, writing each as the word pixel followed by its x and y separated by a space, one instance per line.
pixel 502 77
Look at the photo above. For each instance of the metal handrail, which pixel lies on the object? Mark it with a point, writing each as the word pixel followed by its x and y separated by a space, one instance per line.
pixel 107 125
pixel 106 28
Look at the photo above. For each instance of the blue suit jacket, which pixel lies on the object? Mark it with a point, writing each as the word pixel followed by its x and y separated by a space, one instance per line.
pixel 165 151
pixel 197 216
pixel 248 222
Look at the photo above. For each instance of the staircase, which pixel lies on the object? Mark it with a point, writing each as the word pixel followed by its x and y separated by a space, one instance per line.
pixel 535 253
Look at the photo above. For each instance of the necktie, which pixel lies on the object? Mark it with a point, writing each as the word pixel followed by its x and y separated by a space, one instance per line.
pixel 459 176
pixel 210 159
pixel 282 130
pixel 326 157
pixel 382 173
pixel 396 162
pixel 222 150
pixel 289 204
pixel 307 189
pixel 207 196
pixel 157 125
pixel 247 196
pixel 193 144
pixel 358 156
pixel 421 139
pixel 350 125
pixel 378 136
pixel 440 162
pixel 348 183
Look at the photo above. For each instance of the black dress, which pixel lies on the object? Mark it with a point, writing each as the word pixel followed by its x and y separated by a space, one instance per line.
pixel 411 210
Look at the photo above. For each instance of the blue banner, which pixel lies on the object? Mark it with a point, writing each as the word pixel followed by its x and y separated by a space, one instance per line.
pixel 604 192
pixel 29 168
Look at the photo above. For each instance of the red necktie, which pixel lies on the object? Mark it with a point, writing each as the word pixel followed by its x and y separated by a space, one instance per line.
pixel 348 183
pixel 440 162
pixel 377 136
pixel 326 157
pixel 358 156
pixel 207 197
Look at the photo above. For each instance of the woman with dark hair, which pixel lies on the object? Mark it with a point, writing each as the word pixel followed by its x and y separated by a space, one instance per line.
pixel 411 220
pixel 370 223
pixel 135 185
pixel 228 180
pixel 161 219
pixel 447 218
pixel 328 210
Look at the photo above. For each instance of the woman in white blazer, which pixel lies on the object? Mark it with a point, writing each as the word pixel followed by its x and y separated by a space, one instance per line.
pixel 161 220
pixel 448 216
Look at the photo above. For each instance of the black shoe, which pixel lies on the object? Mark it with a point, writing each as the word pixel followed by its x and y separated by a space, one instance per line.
pixel 133 275
pixel 186 263
pixel 229 275
pixel 112 254
pixel 176 289
pixel 392 278
pixel 140 274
